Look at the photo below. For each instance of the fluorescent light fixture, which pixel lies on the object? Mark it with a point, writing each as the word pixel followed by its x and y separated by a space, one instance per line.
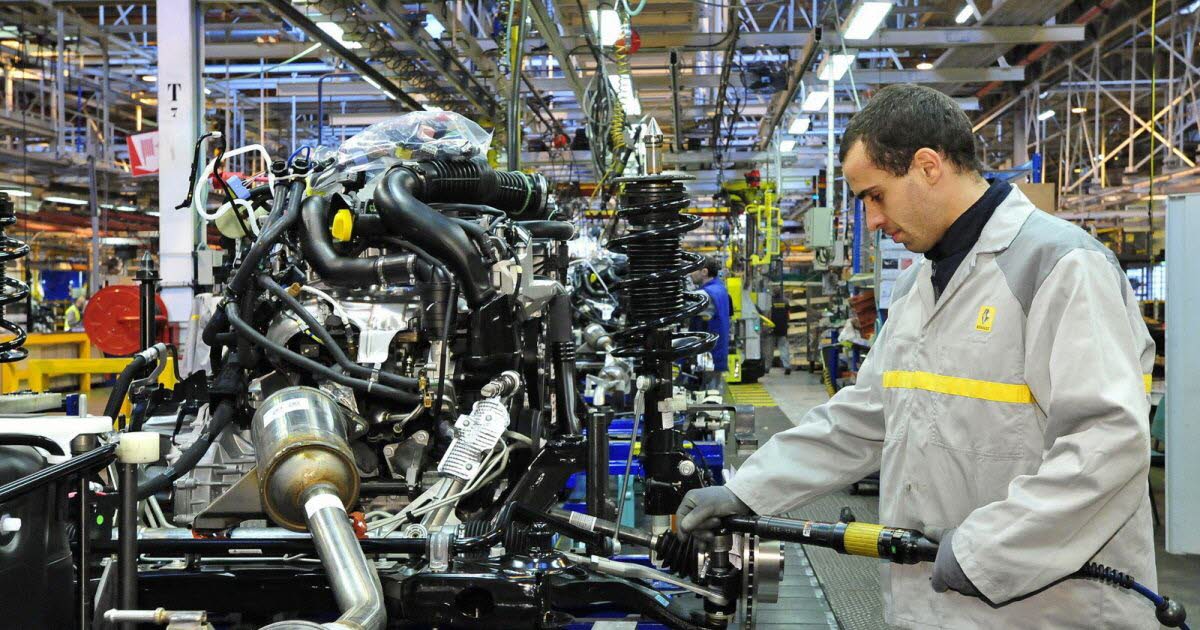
pixel 925 65
pixel 964 15
pixel 378 87
pixel 336 32
pixel 799 125
pixel 815 101
pixel 208 91
pixel 1046 115
pixel 606 25
pixel 787 146
pixel 1043 95
pixel 865 19
pixel 835 65
pixel 433 26
pixel 149 78
pixel 107 206
pixel 66 200
pixel 11 192
pixel 1191 8
pixel 1078 110
pixel 126 209
pixel 152 213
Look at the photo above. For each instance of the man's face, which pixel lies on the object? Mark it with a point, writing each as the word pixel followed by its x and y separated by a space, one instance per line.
pixel 903 207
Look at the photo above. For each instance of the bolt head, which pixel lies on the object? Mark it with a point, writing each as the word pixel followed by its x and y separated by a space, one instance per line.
pixel 687 468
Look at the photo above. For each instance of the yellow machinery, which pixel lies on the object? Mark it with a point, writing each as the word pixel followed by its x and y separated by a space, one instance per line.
pixel 750 264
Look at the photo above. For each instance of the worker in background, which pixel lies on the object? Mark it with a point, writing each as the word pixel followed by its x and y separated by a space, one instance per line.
pixel 1004 403
pixel 778 339
pixel 73 318
pixel 716 320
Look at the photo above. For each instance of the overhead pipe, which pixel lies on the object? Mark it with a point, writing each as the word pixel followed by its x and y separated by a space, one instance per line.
pixel 678 120
pixel 767 131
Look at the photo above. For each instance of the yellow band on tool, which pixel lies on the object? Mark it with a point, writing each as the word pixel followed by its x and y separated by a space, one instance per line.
pixel 862 539
pixel 1149 380
pixel 958 386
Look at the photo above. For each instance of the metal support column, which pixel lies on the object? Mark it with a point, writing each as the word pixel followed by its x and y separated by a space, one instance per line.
pixel 1183 362
pixel 180 94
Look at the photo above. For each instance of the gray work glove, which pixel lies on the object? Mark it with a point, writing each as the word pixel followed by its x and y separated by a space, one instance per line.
pixel 701 511
pixel 947 574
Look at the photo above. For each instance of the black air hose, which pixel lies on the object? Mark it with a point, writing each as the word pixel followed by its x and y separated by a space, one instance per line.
pixel 404 215
pixel 387 378
pixel 343 271
pixel 121 389
pixel 316 368
pixel 217 423
pixel 284 214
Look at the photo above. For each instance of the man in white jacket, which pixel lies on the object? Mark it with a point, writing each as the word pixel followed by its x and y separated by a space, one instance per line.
pixel 1005 400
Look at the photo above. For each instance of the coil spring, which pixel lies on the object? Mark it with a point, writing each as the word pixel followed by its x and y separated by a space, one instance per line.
pixel 11 289
pixel 1106 574
pixel 657 264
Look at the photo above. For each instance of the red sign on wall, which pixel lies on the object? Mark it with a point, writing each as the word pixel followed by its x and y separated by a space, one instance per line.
pixel 143 153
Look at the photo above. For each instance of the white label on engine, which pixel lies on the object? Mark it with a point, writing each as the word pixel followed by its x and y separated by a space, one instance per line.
pixel 583 521
pixel 606 311
pixel 475 436
pixel 282 409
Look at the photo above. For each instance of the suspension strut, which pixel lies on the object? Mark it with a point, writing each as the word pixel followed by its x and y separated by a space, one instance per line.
pixel 656 304
pixel 11 289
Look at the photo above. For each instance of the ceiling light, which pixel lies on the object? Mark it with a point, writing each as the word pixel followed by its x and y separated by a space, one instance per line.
pixel 1078 110
pixel 606 25
pixel 433 26
pixel 1190 9
pixel 865 19
pixel 1043 95
pixel 149 78
pixel 152 213
pixel 925 65
pixel 964 15
pixel 126 209
pixel 1046 115
pixel 800 125
pixel 815 101
pixel 66 200
pixel 11 192
pixel 336 32
pixel 786 146
pixel 379 87
pixel 834 66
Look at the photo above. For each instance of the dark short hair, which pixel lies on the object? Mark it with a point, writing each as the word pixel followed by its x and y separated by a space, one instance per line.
pixel 712 267
pixel 902 119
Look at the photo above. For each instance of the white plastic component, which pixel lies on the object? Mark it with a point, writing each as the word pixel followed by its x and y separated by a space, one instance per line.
pixel 9 524
pixel 139 447
pixel 322 501
pixel 474 436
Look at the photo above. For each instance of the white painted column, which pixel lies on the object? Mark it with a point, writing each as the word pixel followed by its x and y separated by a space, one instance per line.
pixel 1183 362
pixel 180 109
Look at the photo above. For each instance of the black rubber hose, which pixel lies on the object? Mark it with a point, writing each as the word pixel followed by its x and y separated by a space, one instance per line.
pixel 278 222
pixel 407 217
pixel 220 420
pixel 562 344
pixel 387 378
pixel 367 387
pixel 553 230
pixel 342 271
pixel 121 389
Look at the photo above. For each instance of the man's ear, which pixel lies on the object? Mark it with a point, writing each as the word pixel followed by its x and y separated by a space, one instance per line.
pixel 929 165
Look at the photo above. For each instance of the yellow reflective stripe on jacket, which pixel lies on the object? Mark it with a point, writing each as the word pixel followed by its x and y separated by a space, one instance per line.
pixel 958 386
pixel 969 387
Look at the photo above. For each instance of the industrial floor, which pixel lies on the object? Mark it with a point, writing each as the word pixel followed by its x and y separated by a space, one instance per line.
pixel 850 585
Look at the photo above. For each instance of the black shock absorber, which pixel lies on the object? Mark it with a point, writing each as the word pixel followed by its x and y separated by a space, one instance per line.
pixel 11 289
pixel 656 305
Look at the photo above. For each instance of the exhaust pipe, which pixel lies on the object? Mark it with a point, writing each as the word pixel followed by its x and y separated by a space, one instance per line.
pixel 307 478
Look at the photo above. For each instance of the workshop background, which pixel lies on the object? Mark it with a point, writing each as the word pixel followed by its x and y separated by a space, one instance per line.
pixel 1090 107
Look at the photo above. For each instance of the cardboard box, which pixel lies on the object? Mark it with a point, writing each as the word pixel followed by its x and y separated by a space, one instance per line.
pixel 1042 195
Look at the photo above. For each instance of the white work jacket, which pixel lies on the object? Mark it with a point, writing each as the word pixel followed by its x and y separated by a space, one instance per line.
pixel 1015 407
